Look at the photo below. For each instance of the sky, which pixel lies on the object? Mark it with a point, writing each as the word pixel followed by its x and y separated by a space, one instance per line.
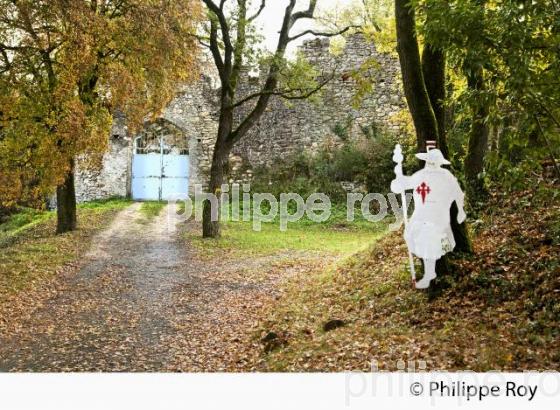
pixel 271 18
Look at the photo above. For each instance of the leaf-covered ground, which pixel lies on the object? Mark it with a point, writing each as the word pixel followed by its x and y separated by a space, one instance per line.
pixel 32 256
pixel 146 298
pixel 501 312
pixel 137 297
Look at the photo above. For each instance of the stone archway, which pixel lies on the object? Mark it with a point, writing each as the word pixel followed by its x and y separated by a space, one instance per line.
pixel 160 162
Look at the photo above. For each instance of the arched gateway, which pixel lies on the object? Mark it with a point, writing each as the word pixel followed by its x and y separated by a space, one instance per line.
pixel 160 163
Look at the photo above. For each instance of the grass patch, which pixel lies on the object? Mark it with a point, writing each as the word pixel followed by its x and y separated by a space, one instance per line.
pixel 104 204
pixel 500 312
pixel 240 238
pixel 25 219
pixel 31 252
pixel 151 209
pixel 336 235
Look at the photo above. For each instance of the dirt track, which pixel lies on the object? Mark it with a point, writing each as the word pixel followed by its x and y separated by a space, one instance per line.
pixel 142 301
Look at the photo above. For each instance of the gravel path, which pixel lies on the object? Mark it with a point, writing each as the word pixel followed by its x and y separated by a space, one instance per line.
pixel 142 301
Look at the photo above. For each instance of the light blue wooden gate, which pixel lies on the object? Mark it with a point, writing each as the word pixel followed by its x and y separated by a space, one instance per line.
pixel 159 176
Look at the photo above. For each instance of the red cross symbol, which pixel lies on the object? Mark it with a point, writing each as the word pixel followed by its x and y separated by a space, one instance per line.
pixel 423 189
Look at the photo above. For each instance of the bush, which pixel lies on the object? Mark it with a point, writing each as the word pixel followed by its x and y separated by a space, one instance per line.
pixel 366 162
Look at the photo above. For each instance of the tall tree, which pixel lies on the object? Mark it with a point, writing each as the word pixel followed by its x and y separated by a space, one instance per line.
pixel 473 66
pixel 415 90
pixel 229 41
pixel 424 86
pixel 507 53
pixel 478 137
pixel 66 65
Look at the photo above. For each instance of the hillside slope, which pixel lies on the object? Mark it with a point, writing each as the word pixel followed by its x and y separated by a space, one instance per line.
pixel 500 312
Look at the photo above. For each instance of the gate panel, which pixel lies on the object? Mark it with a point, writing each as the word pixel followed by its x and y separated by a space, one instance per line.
pixel 160 163
pixel 146 176
pixel 175 177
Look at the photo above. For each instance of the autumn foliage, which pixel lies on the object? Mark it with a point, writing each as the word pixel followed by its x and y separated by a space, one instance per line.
pixel 66 66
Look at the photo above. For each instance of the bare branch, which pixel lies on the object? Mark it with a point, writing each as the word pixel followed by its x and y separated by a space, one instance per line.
pixel 259 11
pixel 202 43
pixel 271 82
pixel 305 14
pixel 224 28
pixel 322 34
pixel 287 94
pixel 215 48
pixel 290 18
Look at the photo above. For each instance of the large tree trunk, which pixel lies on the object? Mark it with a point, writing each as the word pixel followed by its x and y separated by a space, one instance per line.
pixel 424 87
pixel 478 138
pixel 433 70
pixel 211 226
pixel 413 79
pixel 433 67
pixel 66 204
pixel 66 219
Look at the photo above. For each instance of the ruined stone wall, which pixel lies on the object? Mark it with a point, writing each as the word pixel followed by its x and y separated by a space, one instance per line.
pixel 112 179
pixel 195 111
pixel 285 129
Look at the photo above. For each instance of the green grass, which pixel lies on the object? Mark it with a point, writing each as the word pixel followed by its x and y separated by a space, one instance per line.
pixel 21 221
pixel 151 209
pixel 103 204
pixel 30 251
pixel 239 237
pixel 27 218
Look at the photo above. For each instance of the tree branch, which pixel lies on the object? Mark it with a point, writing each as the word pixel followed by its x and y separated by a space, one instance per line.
pixel 322 34
pixel 215 50
pixel 290 18
pixel 224 28
pixel 286 94
pixel 202 40
pixel 305 14
pixel 259 11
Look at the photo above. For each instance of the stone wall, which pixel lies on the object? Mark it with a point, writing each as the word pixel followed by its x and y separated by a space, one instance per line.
pixel 192 111
pixel 112 178
pixel 284 129
pixel 195 111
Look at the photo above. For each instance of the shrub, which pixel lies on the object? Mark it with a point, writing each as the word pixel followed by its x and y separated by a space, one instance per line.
pixel 366 162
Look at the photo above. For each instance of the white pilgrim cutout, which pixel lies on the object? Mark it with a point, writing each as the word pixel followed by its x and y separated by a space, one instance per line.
pixel 428 234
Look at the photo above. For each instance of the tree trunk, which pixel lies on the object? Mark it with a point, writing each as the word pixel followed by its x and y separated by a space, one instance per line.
pixel 433 70
pixel 478 139
pixel 66 204
pixel 66 219
pixel 433 67
pixel 413 79
pixel 424 87
pixel 210 227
